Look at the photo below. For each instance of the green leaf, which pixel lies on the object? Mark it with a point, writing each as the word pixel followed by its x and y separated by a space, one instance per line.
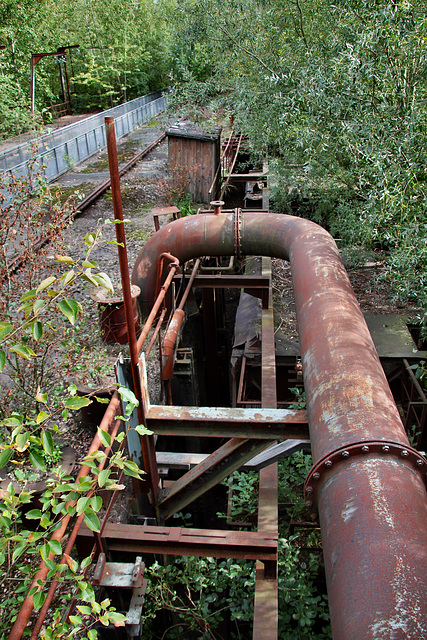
pixel 82 503
pixel 64 259
pixel 117 619
pixel 23 351
pixel 101 400
pixel 15 420
pixel 96 503
pixel 76 403
pixel 89 239
pixel 88 277
pixel 44 284
pixel 29 295
pixel 21 440
pixel 47 442
pixel 55 547
pixel 92 634
pixel 70 309
pixel 41 397
pixel 38 599
pixel 2 359
pixel 18 551
pixel 34 514
pixel 37 461
pixel 5 456
pixel 86 611
pixel 90 264
pixel 42 416
pixel 39 304
pixel 37 330
pixel 104 437
pixel 68 277
pixel 143 431
pixel 85 562
pixel 5 329
pixel 114 242
pixel 104 281
pixel 129 396
pixel 103 477
pixel 131 469
pixel 92 521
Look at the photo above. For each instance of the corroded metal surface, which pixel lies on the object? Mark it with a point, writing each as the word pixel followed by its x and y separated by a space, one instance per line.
pixel 220 422
pixel 187 541
pixel 349 402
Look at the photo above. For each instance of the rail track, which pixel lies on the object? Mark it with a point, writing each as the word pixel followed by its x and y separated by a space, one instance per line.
pixel 15 262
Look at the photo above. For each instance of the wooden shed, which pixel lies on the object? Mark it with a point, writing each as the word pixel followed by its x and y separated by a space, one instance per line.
pixel 194 161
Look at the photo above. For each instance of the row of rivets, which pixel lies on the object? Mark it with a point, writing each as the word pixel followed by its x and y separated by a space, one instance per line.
pixel 404 453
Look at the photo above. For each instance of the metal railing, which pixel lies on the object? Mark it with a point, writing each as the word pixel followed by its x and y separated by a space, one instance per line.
pixel 56 152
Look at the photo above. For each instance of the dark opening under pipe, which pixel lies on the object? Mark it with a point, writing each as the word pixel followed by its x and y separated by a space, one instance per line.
pixel 369 484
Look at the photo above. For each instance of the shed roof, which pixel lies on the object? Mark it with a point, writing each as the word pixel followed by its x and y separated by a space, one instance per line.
pixel 190 130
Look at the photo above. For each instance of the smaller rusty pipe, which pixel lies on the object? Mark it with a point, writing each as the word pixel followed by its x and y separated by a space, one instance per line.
pixel 175 324
pixel 156 306
pixel 189 285
pixel 70 544
pixel 169 342
pixel 28 604
pixel 173 261
pixel 217 206
pixel 156 332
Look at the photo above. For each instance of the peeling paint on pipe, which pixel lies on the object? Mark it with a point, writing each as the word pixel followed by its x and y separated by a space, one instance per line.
pixel 373 511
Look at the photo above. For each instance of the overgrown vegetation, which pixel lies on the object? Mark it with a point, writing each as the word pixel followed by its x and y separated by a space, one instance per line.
pixel 122 54
pixel 36 303
pixel 336 94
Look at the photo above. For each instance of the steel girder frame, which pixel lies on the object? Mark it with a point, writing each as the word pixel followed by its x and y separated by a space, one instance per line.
pixel 372 504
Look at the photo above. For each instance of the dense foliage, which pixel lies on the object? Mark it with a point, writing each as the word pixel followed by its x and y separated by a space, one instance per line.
pixel 122 54
pixel 336 94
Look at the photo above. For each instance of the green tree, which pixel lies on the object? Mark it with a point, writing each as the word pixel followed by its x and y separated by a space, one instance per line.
pixel 337 95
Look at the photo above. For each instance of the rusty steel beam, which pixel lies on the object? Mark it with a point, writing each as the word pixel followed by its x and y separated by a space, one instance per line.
pixel 176 541
pixel 266 603
pixel 256 286
pixel 379 520
pixel 218 465
pixel 219 422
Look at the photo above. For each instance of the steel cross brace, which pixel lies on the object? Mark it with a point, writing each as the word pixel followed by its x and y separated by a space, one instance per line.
pixel 256 286
pixel 217 466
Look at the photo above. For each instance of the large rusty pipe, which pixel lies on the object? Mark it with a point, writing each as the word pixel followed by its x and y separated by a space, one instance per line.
pixel 370 484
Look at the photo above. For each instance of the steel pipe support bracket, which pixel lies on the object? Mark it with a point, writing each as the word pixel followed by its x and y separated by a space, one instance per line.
pixel 328 464
pixel 238 233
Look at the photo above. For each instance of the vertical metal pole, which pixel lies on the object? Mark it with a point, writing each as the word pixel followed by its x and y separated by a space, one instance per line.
pixel 70 106
pixel 148 449
pixel 32 82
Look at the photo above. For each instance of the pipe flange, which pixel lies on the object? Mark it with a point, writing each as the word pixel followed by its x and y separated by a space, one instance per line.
pixel 326 465
pixel 237 233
